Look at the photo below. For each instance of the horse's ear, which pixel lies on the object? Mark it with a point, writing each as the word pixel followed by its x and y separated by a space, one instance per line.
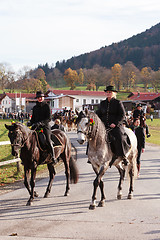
pixel 7 126
pixel 86 111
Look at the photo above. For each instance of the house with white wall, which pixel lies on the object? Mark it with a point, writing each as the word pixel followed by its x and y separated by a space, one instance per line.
pixel 5 103
pixel 59 102
pixel 81 98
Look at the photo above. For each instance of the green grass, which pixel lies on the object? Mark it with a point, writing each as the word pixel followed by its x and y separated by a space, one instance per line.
pixel 154 129
pixel 8 173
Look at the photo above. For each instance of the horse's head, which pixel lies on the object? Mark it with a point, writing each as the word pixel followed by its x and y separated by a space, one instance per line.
pixel 83 126
pixel 16 137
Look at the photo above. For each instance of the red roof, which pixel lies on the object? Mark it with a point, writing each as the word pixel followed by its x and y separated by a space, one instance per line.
pixel 23 95
pixel 79 92
pixel 143 96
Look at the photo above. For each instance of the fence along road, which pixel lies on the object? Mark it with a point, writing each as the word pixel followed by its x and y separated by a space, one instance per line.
pixel 59 217
pixel 9 161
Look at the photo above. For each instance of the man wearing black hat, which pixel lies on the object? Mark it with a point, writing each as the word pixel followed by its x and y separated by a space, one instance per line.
pixel 111 112
pixel 138 113
pixel 41 117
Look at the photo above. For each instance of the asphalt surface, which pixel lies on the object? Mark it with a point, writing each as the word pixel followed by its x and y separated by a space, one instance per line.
pixel 59 217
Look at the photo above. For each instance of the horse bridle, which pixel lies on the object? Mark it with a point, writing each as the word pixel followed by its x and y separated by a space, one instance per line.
pixel 16 144
pixel 88 132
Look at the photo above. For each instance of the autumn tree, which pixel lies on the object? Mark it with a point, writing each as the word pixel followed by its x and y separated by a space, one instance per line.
pixel 40 75
pixel 11 80
pixel 7 76
pixel 81 76
pixel 3 77
pixel 71 77
pixel 129 75
pixel 91 86
pixel 55 77
pixel 116 75
pixel 90 78
pixel 156 80
pixel 146 76
pixel 32 85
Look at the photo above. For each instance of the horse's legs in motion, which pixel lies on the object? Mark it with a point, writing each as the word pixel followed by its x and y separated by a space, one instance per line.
pixel 52 174
pixel 67 172
pixel 26 179
pixel 98 182
pixel 131 175
pixel 32 183
pixel 121 180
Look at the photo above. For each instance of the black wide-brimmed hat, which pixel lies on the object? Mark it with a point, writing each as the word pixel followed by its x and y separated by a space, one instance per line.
pixel 39 94
pixel 110 88
pixel 139 105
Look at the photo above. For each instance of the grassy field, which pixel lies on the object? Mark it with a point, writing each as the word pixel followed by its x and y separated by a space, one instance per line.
pixel 154 129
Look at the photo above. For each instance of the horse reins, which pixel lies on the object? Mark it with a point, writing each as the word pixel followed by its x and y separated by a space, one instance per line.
pixel 88 132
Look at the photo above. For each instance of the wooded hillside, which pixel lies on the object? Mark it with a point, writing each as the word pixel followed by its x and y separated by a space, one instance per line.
pixel 142 50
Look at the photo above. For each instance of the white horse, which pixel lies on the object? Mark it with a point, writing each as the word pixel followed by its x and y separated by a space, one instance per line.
pixel 91 128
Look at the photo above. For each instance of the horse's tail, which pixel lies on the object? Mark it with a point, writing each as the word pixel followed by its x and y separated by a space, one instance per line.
pixel 74 173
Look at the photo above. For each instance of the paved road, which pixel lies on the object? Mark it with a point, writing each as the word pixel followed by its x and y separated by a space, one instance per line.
pixel 60 217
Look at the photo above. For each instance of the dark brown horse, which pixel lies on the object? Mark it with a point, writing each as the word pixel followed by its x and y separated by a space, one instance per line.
pixel 32 154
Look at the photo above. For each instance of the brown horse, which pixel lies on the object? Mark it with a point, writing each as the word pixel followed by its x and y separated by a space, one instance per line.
pixel 32 154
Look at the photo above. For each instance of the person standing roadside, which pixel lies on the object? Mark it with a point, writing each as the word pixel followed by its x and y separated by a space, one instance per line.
pixel 139 132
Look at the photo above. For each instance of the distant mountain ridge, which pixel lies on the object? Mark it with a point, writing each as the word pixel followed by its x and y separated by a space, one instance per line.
pixel 142 49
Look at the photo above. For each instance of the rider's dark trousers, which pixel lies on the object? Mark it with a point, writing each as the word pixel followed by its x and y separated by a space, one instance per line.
pixel 47 132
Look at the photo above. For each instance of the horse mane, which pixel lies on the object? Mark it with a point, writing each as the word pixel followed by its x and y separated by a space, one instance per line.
pixel 24 129
pixel 99 130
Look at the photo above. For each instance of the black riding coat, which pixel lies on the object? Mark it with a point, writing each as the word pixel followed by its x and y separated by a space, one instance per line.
pixel 113 112
pixel 139 132
pixel 138 113
pixel 41 113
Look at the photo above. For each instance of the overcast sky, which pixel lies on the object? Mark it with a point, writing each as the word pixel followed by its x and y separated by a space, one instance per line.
pixel 34 32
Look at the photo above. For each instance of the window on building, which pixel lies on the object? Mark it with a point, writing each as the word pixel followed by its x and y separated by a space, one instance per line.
pixel 84 101
pixel 77 100
pixel 92 101
pixel 52 103
pixel 96 100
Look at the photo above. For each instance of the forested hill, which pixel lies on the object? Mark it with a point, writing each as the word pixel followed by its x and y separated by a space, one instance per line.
pixel 142 49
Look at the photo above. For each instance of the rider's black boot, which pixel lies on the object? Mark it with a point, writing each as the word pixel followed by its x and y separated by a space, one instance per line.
pixel 54 160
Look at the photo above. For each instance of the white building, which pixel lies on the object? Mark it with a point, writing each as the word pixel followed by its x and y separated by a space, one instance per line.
pixel 80 98
pixel 5 103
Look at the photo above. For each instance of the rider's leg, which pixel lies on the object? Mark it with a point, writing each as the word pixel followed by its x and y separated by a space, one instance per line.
pixel 47 133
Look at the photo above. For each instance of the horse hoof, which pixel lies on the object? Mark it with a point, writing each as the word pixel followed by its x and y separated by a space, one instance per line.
pixel 130 196
pixel 46 194
pixel 119 197
pixel 28 203
pixel 101 204
pixel 92 207
pixel 66 194
pixel 35 194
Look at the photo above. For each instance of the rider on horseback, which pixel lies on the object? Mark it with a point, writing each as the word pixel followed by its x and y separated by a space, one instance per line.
pixel 111 112
pixel 40 118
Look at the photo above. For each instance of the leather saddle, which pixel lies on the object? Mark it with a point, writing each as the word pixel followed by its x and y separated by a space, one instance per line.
pixel 43 142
